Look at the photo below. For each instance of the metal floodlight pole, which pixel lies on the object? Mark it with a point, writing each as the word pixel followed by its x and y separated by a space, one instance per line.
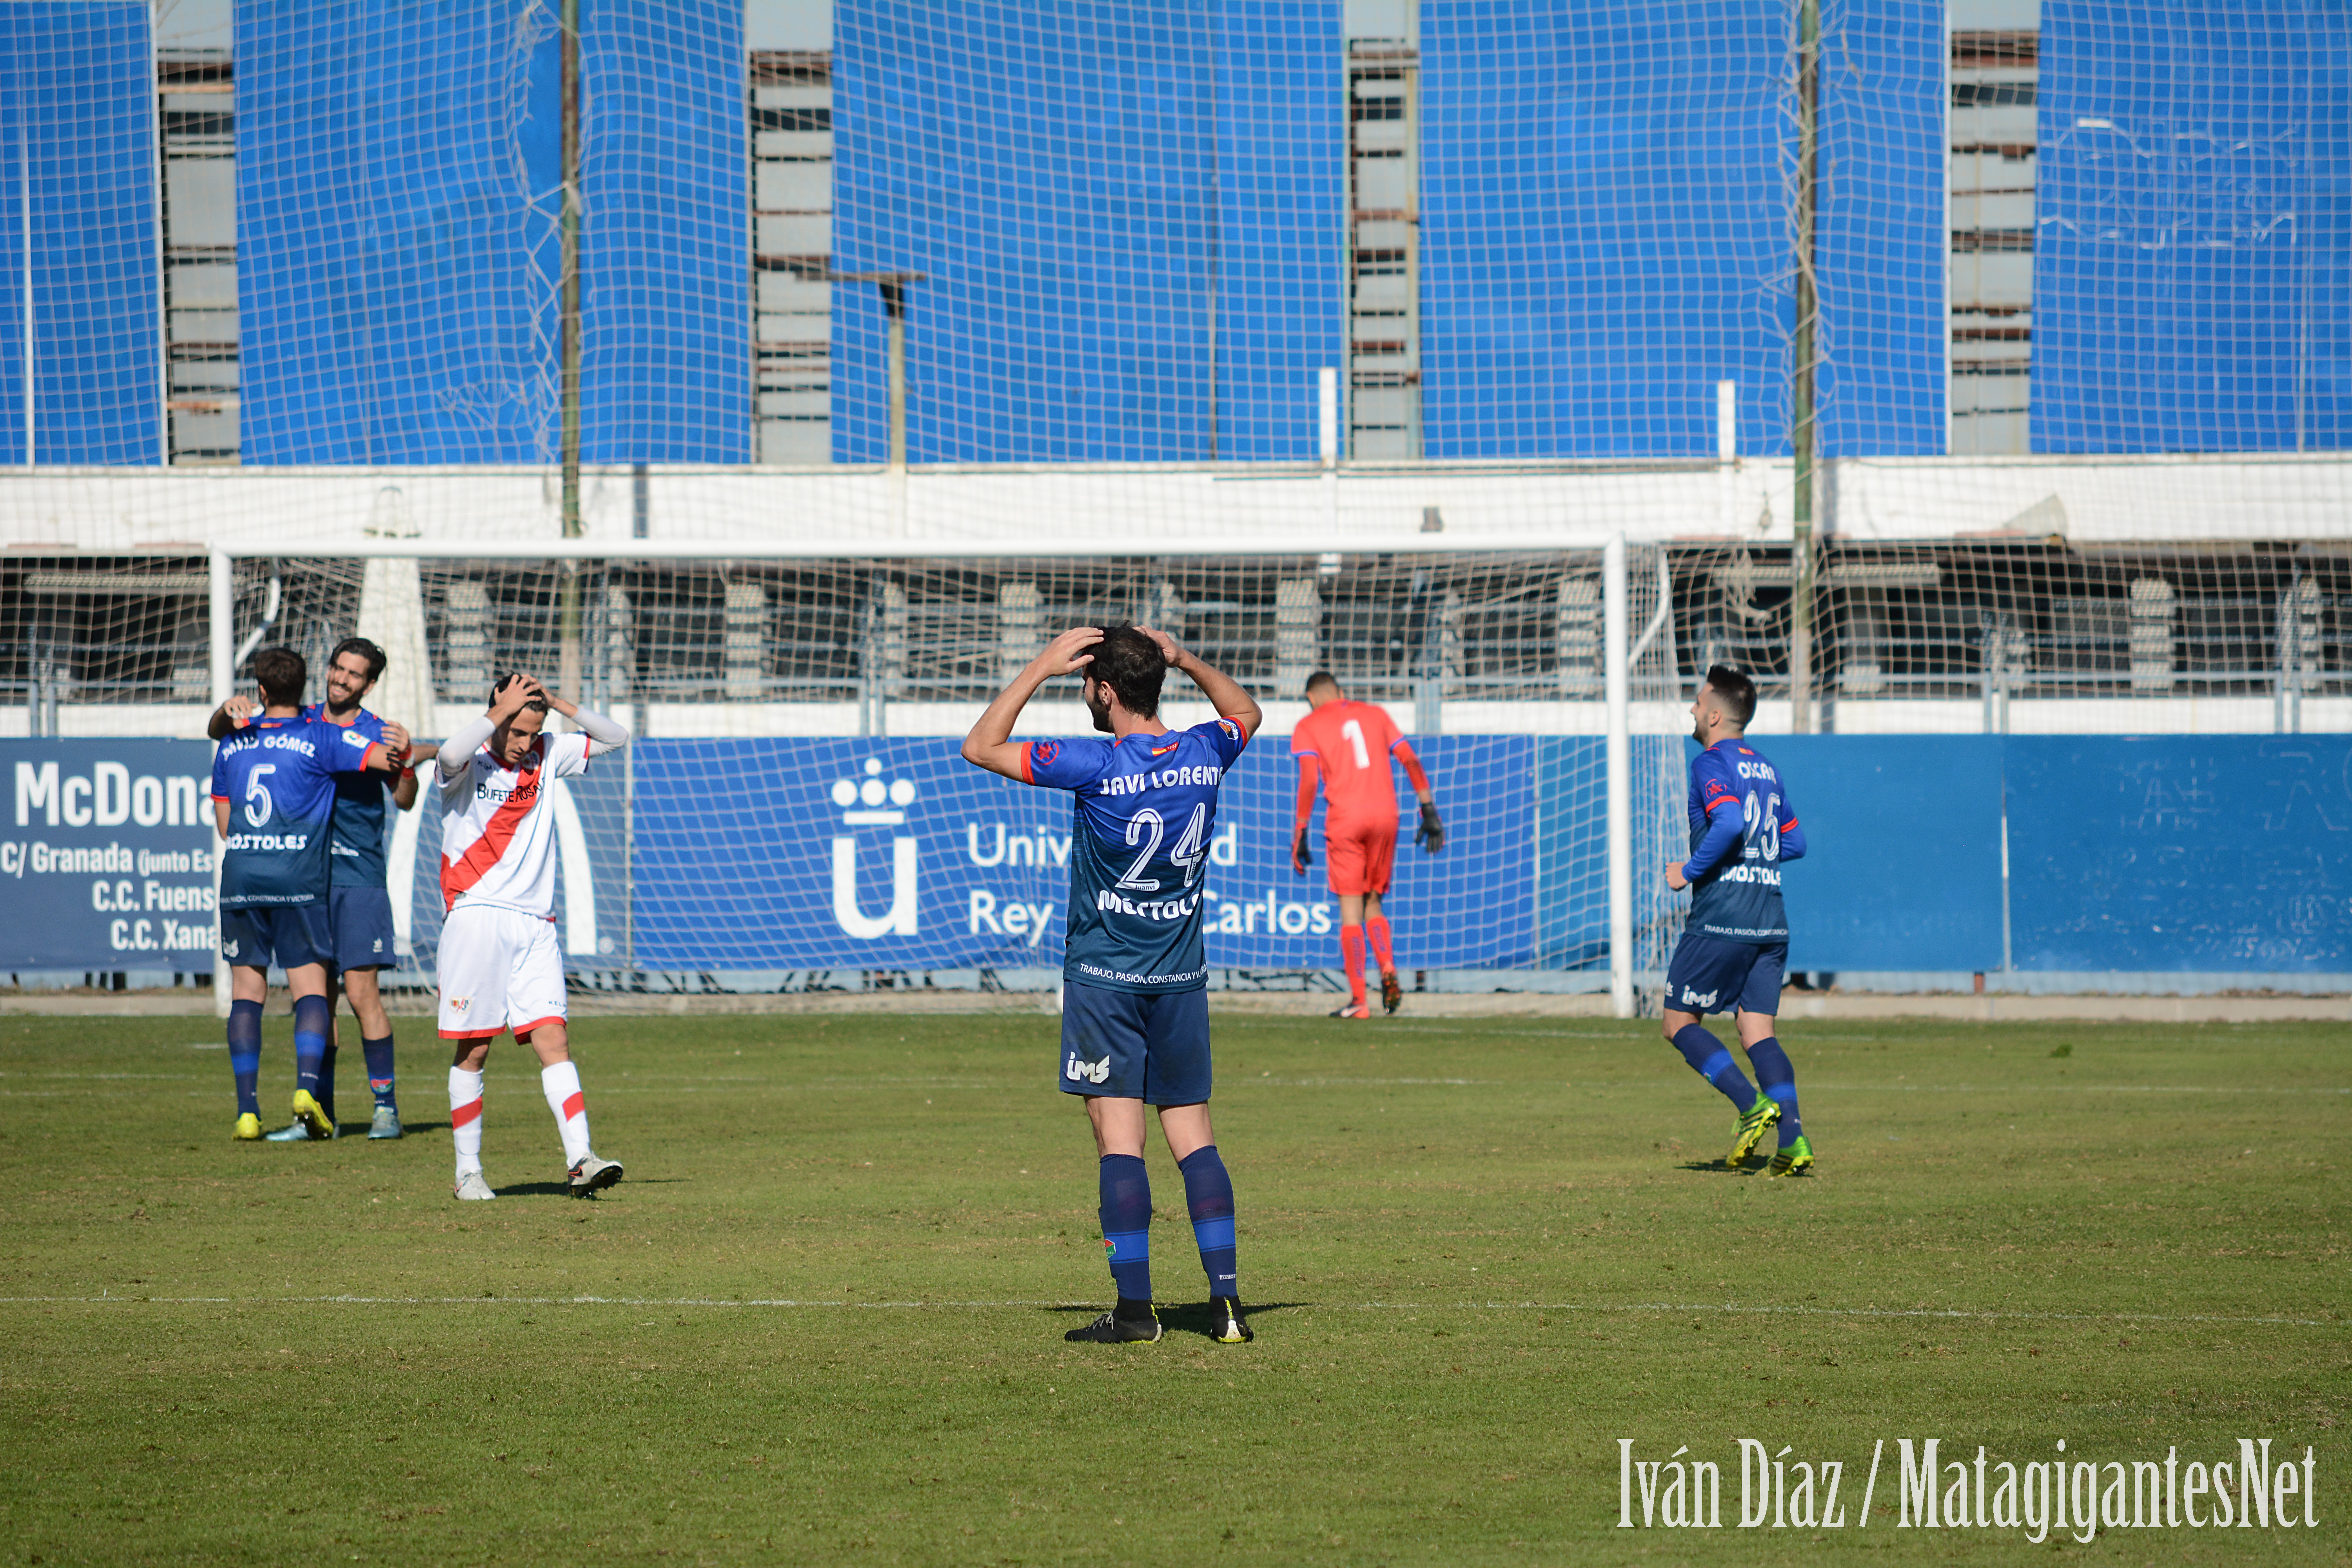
pixel 894 308
pixel 1801 399
pixel 894 302
pixel 568 674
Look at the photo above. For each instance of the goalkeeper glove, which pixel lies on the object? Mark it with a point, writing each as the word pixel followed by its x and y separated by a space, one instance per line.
pixel 1430 834
pixel 1300 856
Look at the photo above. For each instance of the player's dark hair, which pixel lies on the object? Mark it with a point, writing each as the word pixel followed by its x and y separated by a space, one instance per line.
pixel 370 655
pixel 1321 678
pixel 1131 665
pixel 537 704
pixel 281 674
pixel 1735 691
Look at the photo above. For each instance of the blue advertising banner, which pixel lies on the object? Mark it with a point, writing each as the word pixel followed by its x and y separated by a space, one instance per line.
pixel 1901 867
pixel 107 856
pixel 2207 853
pixel 2170 853
pixel 797 854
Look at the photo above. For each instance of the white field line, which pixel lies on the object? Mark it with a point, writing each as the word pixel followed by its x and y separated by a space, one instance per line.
pixel 689 1086
pixel 1964 1314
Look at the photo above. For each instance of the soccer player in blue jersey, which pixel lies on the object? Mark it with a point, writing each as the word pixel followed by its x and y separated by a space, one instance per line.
pixel 1735 943
pixel 1135 1011
pixel 359 904
pixel 273 803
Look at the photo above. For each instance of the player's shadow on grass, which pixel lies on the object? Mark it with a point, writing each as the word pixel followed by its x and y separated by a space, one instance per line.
pixel 563 1189
pixel 1718 1168
pixel 1194 1319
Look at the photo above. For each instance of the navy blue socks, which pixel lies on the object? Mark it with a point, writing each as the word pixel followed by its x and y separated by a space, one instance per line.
pixel 1209 1196
pixel 1127 1225
pixel 379 1069
pixel 1779 1081
pixel 244 1055
pixel 312 1018
pixel 327 1071
pixel 1710 1059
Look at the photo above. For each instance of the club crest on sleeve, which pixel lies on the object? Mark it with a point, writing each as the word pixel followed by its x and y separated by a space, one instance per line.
pixel 1044 751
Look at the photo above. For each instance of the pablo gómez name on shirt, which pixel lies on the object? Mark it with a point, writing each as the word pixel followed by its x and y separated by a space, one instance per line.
pixel 276 740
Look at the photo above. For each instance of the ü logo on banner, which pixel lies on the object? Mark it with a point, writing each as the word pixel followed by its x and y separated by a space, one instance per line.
pixel 871 795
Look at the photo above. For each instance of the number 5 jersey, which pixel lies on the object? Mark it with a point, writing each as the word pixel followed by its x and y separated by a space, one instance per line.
pixel 277 776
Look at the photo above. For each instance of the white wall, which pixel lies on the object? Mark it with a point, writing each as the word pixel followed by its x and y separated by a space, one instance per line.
pixel 1147 507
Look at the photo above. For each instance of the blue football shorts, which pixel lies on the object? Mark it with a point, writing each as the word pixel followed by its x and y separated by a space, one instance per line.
pixel 1119 1046
pixel 1709 974
pixel 361 921
pixel 287 936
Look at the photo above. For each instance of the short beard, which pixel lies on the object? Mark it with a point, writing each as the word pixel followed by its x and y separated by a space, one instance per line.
pixel 1100 709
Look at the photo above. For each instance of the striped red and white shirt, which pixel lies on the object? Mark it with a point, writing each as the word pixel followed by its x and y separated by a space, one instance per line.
pixel 497 826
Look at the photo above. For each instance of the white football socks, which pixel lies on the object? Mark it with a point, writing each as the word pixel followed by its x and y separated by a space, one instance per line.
pixel 466 1118
pixel 561 1083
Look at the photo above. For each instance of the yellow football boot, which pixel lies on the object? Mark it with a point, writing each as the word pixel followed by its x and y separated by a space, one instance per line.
pixel 308 1111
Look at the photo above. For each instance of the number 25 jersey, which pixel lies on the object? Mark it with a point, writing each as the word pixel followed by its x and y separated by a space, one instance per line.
pixel 1139 833
pixel 1739 899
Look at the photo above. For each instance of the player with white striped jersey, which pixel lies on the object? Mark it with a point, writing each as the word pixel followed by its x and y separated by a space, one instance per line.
pixel 500 969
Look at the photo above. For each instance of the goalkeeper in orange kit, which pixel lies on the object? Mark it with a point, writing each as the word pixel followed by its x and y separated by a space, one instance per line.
pixel 1345 748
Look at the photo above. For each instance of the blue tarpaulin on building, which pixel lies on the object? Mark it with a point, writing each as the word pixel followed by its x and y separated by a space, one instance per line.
pixel 1128 222
pixel 399 193
pixel 2192 276
pixel 1605 234
pixel 77 144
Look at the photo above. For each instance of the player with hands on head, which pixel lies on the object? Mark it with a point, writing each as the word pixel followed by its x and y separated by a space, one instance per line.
pixel 500 968
pixel 1735 946
pixel 273 803
pixel 1345 748
pixel 358 904
pixel 1135 1013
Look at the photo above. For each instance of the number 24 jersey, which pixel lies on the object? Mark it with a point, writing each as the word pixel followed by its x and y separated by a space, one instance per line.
pixel 1145 808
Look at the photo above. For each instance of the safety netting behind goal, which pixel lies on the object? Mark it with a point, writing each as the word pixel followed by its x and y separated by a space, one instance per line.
pixel 796 803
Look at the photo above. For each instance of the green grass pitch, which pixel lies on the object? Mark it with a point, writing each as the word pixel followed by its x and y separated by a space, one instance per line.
pixel 821 1321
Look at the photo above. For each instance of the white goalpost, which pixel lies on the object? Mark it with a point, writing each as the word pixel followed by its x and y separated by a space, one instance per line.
pixel 1540 685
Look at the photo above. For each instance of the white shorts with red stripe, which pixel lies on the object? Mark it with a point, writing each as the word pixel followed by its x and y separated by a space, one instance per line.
pixel 500 969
